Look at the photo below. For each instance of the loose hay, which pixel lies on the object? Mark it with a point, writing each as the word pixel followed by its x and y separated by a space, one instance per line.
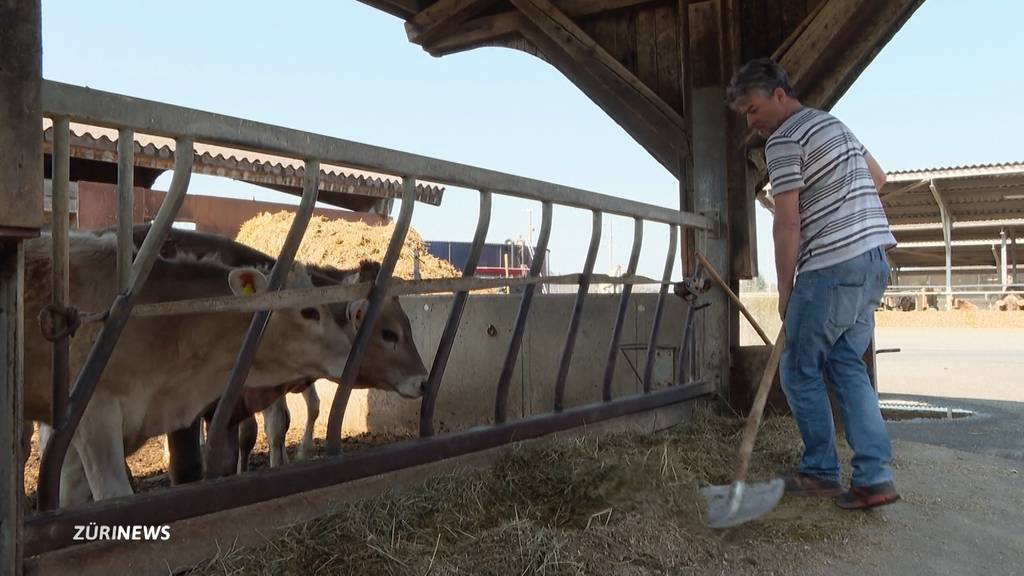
pixel 622 504
pixel 949 319
pixel 342 244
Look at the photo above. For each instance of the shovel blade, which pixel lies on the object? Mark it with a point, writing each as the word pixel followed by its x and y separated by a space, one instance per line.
pixel 739 502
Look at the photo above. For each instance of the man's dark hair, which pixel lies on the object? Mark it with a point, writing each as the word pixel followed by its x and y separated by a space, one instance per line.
pixel 762 74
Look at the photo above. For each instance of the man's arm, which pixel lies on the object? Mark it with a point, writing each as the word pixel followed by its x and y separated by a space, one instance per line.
pixel 786 230
pixel 877 174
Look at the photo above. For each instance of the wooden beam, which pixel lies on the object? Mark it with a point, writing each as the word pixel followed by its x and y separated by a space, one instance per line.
pixel 477 32
pixel 587 53
pixel 623 112
pixel 835 42
pixel 487 29
pixel 877 25
pixel 404 9
pixel 441 17
pixel 710 178
pixel 583 8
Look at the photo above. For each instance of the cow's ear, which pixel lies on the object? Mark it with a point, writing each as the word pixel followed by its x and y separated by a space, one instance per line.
pixel 247 281
pixel 368 270
pixel 356 311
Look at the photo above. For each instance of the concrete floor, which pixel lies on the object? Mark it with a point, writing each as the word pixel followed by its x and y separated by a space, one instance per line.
pixel 981 370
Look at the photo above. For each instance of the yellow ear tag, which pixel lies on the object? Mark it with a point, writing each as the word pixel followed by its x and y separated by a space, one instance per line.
pixel 248 289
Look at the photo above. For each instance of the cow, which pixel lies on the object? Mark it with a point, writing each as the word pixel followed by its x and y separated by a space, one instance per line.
pixel 961 304
pixel 166 370
pixel 391 361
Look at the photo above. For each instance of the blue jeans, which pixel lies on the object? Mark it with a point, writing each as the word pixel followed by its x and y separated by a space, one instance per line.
pixel 829 324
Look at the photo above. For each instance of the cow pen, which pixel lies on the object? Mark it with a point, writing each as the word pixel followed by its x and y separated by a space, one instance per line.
pixel 52 529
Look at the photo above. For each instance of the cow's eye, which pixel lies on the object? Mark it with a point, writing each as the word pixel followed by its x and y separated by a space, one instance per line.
pixel 389 336
pixel 311 314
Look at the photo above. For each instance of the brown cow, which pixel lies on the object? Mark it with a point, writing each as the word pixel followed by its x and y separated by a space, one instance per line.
pixel 391 362
pixel 165 371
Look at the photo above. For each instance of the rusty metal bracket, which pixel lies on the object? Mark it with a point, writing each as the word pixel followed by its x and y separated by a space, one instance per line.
pixel 73 320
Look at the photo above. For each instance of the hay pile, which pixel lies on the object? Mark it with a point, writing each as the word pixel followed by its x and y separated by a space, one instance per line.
pixel 342 244
pixel 949 319
pixel 623 504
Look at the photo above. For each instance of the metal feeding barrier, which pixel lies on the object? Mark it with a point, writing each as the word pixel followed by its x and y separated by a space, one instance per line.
pixel 52 529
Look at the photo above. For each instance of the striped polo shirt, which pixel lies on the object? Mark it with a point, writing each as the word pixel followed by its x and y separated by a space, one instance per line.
pixel 841 215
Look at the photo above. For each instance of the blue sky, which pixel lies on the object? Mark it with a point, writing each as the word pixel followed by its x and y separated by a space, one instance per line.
pixel 944 91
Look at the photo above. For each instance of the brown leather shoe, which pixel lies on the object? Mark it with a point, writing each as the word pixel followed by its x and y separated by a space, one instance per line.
pixel 864 497
pixel 806 485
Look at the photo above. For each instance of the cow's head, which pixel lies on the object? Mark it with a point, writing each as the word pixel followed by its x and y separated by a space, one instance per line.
pixel 308 340
pixel 391 361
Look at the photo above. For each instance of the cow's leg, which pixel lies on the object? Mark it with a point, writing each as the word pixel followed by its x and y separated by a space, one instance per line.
pixel 100 444
pixel 230 462
pixel 247 432
pixel 275 423
pixel 74 486
pixel 185 458
pixel 307 449
pixel 232 453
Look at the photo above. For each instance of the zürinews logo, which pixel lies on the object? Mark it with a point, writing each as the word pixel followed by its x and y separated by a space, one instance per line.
pixel 92 532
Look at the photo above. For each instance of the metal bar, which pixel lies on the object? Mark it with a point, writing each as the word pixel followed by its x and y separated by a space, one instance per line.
pixel 12 467
pixel 947 233
pixel 1013 254
pixel 684 370
pixel 85 384
pixel 1003 273
pixel 451 328
pixel 125 202
pixel 512 356
pixel 577 312
pixel 115 110
pixel 329 294
pixel 666 278
pixel 376 298
pixel 60 267
pixel 686 350
pixel 50 531
pixel 620 318
pixel 217 430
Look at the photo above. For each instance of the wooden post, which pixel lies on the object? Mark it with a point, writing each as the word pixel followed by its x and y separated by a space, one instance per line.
pixel 708 183
pixel 21 216
pixel 11 470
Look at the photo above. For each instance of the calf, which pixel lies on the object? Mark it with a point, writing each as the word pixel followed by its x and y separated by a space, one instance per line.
pixel 165 371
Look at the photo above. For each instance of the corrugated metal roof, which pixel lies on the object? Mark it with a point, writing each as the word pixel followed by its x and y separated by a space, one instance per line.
pixel 956 171
pixel 100 144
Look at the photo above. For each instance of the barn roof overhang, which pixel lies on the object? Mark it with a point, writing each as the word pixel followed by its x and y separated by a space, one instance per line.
pixel 636 58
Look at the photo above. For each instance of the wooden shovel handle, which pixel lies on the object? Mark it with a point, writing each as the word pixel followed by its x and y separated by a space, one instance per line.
pixel 757 409
pixel 754 418
pixel 732 296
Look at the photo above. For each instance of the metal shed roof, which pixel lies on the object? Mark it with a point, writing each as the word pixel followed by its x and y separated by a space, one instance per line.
pixel 984 202
pixel 341 186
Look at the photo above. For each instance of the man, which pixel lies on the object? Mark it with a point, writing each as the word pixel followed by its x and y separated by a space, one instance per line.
pixel 830 235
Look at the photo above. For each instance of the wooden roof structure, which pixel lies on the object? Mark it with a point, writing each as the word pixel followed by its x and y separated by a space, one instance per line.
pixel 631 56
pixel 659 69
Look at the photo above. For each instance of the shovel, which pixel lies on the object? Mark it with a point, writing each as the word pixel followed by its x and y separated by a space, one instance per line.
pixel 740 502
